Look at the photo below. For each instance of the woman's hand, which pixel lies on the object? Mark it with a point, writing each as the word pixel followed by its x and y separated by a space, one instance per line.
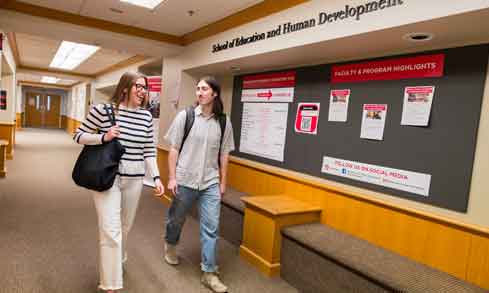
pixel 172 186
pixel 159 188
pixel 113 132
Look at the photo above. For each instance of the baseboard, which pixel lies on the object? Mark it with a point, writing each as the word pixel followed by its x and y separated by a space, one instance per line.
pixel 269 269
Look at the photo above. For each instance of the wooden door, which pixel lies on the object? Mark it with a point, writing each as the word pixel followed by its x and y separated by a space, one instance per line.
pixel 33 113
pixel 42 110
pixel 51 111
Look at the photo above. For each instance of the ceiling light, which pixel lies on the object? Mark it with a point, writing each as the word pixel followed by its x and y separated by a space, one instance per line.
pixel 70 55
pixel 49 79
pixel 418 37
pixel 150 4
pixel 115 10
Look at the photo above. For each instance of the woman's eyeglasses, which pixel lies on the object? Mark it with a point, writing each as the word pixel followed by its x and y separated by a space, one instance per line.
pixel 141 87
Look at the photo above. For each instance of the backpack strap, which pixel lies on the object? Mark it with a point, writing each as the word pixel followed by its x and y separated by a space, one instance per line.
pixel 222 123
pixel 189 122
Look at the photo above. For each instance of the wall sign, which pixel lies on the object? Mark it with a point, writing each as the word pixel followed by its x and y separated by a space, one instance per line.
pixel 272 87
pixel 307 118
pixel 391 69
pixel 3 100
pixel 322 19
pixel 413 182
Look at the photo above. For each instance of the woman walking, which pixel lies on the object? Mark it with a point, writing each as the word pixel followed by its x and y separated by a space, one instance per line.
pixel 116 207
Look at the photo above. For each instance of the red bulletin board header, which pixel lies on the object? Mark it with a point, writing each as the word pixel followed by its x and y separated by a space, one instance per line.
pixel 270 80
pixel 392 69
pixel 154 83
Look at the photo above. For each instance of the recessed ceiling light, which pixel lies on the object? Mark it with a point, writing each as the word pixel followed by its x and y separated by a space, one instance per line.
pixel 49 79
pixel 234 68
pixel 70 55
pixel 418 37
pixel 115 10
pixel 150 4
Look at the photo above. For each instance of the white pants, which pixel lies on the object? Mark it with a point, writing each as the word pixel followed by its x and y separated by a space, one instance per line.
pixel 116 210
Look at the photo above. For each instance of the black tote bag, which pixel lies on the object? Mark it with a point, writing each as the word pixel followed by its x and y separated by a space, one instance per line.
pixel 97 165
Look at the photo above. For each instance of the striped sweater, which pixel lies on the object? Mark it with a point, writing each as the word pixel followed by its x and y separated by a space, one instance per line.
pixel 136 135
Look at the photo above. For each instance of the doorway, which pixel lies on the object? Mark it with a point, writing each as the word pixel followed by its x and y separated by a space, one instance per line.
pixel 42 110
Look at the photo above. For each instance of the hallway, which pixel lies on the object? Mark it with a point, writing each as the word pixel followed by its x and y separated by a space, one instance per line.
pixel 48 232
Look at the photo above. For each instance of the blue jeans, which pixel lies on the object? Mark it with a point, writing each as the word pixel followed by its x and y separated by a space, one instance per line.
pixel 209 210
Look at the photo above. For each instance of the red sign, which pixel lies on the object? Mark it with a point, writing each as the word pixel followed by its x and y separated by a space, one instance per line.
pixel 270 80
pixel 307 118
pixel 393 69
pixel 3 100
pixel 154 84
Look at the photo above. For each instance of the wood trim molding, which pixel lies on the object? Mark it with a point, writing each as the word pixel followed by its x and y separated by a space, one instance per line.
pixel 260 10
pixel 55 71
pixel 44 85
pixel 76 19
pixel 13 46
pixel 125 63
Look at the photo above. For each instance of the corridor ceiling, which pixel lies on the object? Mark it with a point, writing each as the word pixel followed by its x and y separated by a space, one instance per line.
pixel 132 34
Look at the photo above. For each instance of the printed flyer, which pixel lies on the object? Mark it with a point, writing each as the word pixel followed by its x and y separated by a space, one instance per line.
pixel 338 105
pixel 417 105
pixel 373 121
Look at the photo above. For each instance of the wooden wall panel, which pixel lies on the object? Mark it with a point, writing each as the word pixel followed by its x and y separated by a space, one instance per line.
pixel 478 268
pixel 64 122
pixel 19 118
pixel 7 133
pixel 71 125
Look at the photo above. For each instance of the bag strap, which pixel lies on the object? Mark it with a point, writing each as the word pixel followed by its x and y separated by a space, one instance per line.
pixel 189 122
pixel 222 123
pixel 110 113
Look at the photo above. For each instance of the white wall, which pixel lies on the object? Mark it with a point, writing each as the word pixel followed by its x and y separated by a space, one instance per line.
pixel 19 107
pixel 8 82
pixel 77 102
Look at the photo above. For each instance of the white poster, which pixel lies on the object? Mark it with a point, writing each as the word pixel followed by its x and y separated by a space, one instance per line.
pixel 263 130
pixel 338 105
pixel 284 94
pixel 413 182
pixel 373 121
pixel 417 105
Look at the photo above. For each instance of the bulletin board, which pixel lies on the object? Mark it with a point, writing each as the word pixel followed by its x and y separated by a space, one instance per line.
pixel 443 150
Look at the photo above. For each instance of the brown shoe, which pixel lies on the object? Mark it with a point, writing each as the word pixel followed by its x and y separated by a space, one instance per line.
pixel 211 281
pixel 171 256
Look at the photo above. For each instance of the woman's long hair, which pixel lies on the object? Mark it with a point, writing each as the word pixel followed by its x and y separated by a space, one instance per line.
pixel 217 106
pixel 126 82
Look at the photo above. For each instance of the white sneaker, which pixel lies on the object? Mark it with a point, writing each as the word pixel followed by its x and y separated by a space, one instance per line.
pixel 211 281
pixel 171 256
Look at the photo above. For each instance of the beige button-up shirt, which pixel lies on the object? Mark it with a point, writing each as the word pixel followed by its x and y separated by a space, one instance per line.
pixel 197 165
